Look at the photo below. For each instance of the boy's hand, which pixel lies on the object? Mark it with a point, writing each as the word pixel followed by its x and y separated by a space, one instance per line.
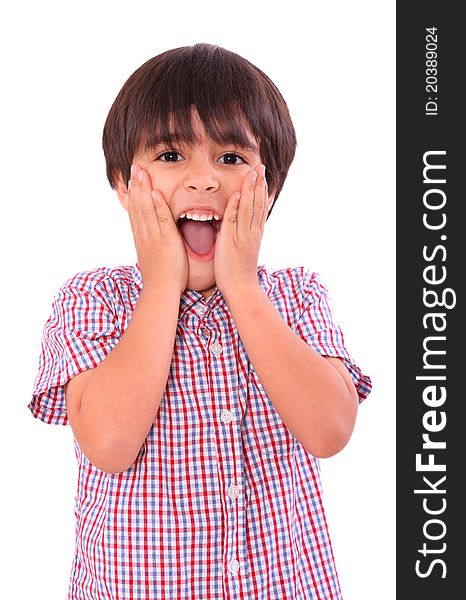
pixel 160 249
pixel 240 236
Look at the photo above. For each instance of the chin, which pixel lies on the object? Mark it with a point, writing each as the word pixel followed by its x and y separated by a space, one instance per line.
pixel 201 285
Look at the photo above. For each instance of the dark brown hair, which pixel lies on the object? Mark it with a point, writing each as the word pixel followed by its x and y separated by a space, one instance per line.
pixel 228 92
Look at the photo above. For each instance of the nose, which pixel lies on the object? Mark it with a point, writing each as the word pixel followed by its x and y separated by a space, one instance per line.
pixel 201 176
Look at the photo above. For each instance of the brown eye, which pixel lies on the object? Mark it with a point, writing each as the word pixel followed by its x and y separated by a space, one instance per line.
pixel 170 156
pixel 231 158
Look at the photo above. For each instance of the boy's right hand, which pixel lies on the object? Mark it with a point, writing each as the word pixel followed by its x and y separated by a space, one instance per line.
pixel 159 246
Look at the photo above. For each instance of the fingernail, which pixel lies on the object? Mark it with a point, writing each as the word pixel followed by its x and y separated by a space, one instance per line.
pixel 132 170
pixel 263 170
pixel 140 175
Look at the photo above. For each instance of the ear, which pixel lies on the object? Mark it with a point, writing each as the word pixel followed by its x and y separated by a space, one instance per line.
pixel 122 192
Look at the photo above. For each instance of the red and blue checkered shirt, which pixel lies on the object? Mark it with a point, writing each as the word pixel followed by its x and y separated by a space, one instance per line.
pixel 222 500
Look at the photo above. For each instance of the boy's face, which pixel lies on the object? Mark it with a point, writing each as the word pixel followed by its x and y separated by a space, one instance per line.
pixel 203 176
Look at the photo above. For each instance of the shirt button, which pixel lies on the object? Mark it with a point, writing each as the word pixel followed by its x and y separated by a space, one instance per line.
pixel 233 491
pixel 201 310
pixel 226 416
pixel 216 349
pixel 204 332
pixel 233 566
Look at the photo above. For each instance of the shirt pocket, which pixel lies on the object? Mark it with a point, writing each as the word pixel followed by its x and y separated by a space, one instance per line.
pixel 264 424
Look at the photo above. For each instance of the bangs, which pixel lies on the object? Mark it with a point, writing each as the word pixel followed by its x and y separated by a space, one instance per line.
pixel 224 126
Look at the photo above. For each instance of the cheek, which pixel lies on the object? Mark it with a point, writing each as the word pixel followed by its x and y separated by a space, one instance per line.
pixel 236 180
pixel 162 182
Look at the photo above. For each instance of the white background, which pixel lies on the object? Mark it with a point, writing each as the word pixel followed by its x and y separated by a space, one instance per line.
pixel 62 64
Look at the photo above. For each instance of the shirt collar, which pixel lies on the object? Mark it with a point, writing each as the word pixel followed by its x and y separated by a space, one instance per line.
pixel 191 298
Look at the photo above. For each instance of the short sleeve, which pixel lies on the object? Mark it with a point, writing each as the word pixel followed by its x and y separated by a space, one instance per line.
pixel 80 332
pixel 317 327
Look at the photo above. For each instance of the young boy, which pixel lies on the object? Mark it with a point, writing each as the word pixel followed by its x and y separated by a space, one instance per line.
pixel 201 389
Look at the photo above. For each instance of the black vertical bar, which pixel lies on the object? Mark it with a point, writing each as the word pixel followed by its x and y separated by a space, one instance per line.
pixel 431 267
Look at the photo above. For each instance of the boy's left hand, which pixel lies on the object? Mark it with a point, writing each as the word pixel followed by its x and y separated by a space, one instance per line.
pixel 238 241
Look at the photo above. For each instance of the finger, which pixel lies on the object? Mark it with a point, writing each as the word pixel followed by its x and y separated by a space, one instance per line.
pixel 164 214
pixel 265 208
pixel 230 216
pixel 246 206
pixel 141 209
pixel 260 198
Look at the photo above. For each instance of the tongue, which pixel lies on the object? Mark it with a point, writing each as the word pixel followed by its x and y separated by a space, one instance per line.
pixel 199 235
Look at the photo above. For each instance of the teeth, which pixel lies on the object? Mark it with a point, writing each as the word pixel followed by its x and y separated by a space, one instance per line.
pixel 195 216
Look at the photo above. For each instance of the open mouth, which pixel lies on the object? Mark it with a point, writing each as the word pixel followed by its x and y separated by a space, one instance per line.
pixel 199 236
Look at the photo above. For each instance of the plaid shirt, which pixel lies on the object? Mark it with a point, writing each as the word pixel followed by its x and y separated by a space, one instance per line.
pixel 222 500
